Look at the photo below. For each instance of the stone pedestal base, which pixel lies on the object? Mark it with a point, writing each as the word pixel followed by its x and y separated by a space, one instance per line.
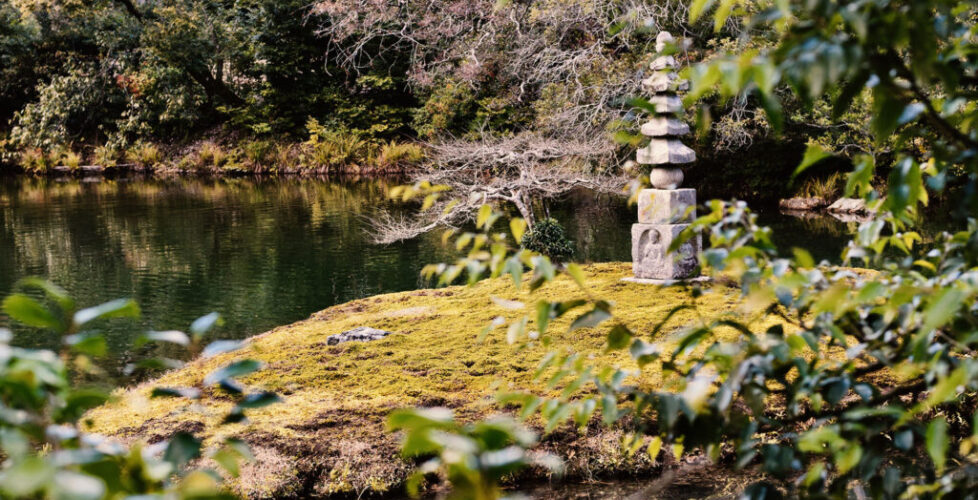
pixel 650 253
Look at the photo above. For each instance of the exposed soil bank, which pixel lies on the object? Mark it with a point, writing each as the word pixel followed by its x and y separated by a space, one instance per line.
pixel 328 438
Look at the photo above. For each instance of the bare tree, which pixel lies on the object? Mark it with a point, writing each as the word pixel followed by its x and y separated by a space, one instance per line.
pixel 523 171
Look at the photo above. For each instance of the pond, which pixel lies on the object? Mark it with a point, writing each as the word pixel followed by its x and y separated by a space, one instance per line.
pixel 262 253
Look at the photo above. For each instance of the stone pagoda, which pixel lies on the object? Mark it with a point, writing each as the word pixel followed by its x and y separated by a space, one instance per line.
pixel 665 210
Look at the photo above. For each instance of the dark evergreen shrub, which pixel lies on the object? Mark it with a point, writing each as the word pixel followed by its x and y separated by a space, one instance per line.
pixel 548 238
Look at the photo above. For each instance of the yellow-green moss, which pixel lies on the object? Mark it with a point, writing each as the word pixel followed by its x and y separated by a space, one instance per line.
pixel 328 434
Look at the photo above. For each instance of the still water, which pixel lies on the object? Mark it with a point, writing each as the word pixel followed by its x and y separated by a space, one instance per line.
pixel 263 253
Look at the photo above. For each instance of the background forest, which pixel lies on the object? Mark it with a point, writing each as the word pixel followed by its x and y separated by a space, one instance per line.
pixel 338 85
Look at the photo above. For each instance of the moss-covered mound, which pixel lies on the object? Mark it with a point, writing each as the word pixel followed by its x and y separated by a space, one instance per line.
pixel 328 435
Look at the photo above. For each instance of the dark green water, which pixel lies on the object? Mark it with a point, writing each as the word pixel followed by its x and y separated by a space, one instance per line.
pixel 262 253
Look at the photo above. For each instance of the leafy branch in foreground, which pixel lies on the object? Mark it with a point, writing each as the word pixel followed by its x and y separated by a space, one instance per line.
pixel 48 453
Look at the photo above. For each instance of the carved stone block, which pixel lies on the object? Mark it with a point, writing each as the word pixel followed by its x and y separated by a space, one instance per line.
pixel 666 206
pixel 650 253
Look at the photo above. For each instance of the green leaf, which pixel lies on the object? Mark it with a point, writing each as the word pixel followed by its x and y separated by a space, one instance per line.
pixel 419 418
pixel 120 308
pixel 203 324
pixel 943 308
pixel 485 211
pixel 26 477
pixel 813 155
pixel 175 392
pixel 518 227
pixel 590 319
pixel 31 313
pixel 76 486
pixel 577 273
pixel 619 337
pixel 259 400
pixel 697 8
pixel 233 370
pixel 171 336
pixel 937 443
pixel 544 309
pixel 221 347
pixel 182 448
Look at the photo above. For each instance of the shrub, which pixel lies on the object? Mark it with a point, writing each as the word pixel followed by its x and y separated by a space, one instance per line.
pixel 336 148
pixel 547 237
pixel 71 159
pixel 34 160
pixel 105 156
pixel 211 154
pixel 393 154
pixel 144 154
pixel 48 454
pixel 826 188
pixel 258 153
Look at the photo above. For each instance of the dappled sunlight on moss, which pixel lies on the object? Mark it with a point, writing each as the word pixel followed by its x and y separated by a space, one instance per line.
pixel 337 397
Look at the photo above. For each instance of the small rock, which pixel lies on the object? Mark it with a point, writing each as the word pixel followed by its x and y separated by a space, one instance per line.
pixel 359 334
pixel 849 206
pixel 803 204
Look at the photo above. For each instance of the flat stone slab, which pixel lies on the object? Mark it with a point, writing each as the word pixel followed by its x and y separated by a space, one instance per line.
pixel 665 82
pixel 663 62
pixel 359 334
pixel 665 152
pixel 666 206
pixel 661 126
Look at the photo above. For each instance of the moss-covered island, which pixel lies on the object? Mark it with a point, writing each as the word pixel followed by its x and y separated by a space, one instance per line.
pixel 328 436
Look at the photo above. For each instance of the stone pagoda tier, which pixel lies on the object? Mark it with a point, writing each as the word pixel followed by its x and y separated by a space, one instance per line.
pixel 666 210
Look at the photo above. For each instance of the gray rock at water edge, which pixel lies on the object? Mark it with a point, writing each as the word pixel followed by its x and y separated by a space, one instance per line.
pixel 803 204
pixel 665 152
pixel 666 206
pixel 849 206
pixel 663 126
pixel 650 253
pixel 360 334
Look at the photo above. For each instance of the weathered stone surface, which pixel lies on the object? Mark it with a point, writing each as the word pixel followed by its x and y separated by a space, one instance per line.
pixel 359 334
pixel 803 204
pixel 849 206
pixel 662 40
pixel 667 104
pixel 664 62
pixel 665 152
pixel 665 82
pixel 666 178
pixel 661 126
pixel 666 206
pixel 651 258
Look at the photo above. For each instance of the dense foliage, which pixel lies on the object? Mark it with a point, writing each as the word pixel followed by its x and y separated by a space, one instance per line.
pixel 830 382
pixel 547 237
pixel 44 397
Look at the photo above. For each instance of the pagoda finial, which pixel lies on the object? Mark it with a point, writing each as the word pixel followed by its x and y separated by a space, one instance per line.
pixel 665 151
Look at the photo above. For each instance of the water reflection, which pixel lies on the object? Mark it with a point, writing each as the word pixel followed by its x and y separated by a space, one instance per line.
pixel 261 252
